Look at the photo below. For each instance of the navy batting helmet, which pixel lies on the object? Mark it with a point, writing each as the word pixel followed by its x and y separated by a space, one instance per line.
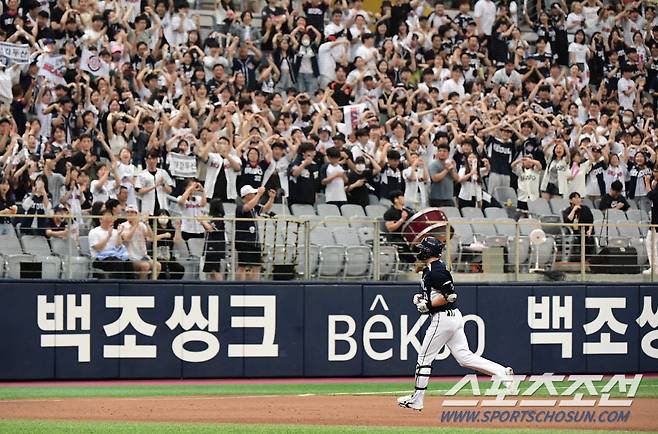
pixel 430 247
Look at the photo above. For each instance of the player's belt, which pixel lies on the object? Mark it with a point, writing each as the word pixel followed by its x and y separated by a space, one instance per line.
pixel 448 312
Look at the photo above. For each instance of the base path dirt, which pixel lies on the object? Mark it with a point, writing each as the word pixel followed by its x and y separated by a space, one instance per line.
pixel 314 410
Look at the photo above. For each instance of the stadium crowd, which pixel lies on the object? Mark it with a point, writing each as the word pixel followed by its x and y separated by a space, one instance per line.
pixel 123 109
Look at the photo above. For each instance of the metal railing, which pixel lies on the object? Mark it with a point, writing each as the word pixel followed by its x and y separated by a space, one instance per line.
pixel 311 247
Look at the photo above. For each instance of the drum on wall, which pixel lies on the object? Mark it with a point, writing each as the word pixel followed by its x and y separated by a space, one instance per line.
pixel 430 221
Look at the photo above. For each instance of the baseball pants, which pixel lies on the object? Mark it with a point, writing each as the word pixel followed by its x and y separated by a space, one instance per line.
pixel 447 328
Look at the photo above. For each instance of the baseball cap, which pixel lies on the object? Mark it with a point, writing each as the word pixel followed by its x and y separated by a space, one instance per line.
pixel 131 208
pixel 339 136
pixel 247 189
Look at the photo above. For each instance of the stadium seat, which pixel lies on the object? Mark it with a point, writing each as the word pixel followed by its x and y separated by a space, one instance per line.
pixel 463 230
pixel 84 246
pixel 389 261
pixel 366 234
pixel 328 210
pixel 588 203
pixel 279 209
pixel 332 260
pixel 385 202
pixel 13 265
pixel 350 210
pixel 558 204
pixel 346 237
pixel 495 213
pixel 528 225
pixel 196 247
pixel 313 257
pixel 614 215
pixel 635 215
pixel 38 247
pixel 505 195
pixel 302 209
pixel 357 262
pixel 539 207
pixel 451 212
pixel 472 213
pixel 376 211
pixel 598 215
pixel 322 237
pixel 191 263
pixel 482 229
pixel 506 226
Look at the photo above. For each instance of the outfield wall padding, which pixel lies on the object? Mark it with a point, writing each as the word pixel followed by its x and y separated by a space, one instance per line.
pixel 112 329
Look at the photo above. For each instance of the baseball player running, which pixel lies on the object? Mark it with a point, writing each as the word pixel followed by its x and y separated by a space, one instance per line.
pixel 446 326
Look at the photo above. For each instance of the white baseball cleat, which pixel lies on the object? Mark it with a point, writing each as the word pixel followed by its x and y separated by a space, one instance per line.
pixel 408 401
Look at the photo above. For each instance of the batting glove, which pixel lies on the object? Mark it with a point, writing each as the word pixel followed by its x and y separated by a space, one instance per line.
pixel 422 306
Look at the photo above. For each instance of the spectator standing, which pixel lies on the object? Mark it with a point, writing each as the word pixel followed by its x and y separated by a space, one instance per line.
pixel 215 248
pixel 442 175
pixel 193 201
pixel 247 243
pixel 555 180
pixel 394 219
pixel 416 177
pixel 470 178
pixel 304 176
pixel 153 185
pixel 167 237
pixel 36 203
pixel 333 178
pixel 651 241
pixel 528 172
pixel 7 206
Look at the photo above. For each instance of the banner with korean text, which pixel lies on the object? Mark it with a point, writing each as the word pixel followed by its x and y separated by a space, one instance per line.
pixel 111 329
pixel 14 53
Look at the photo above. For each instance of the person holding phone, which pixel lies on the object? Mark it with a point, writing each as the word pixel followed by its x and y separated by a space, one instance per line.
pixel 193 200
pixel 247 242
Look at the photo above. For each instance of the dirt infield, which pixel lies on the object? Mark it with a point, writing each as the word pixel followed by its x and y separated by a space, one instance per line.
pixel 316 409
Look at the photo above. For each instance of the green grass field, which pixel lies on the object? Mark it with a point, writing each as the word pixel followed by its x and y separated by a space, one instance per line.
pixel 648 388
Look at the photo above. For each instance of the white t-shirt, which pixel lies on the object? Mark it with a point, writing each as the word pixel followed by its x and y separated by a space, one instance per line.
pixel 580 52
pixel 102 193
pixel 136 246
pixel 626 101
pixel 415 192
pixel 486 11
pixel 328 53
pixel 528 183
pixel 192 209
pixel 335 190
pixel 126 173
pixel 98 235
